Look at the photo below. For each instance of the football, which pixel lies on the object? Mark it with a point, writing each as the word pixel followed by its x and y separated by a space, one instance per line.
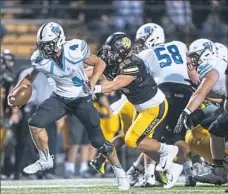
pixel 22 94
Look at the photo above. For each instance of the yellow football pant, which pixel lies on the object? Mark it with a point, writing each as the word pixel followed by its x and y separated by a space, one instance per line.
pixel 145 124
pixel 110 126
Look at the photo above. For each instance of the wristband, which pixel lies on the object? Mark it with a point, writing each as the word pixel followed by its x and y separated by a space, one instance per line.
pixel 97 89
pixel 186 110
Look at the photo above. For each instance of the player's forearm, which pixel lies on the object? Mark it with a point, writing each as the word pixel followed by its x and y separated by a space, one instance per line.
pixel 98 70
pixel 27 80
pixel 195 101
pixel 109 86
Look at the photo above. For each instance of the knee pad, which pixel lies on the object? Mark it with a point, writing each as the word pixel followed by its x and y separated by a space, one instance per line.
pixel 106 149
pixel 217 130
pixel 97 140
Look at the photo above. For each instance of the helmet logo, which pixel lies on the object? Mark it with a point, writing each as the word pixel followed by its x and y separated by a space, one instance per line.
pixel 55 30
pixel 126 42
pixel 148 30
pixel 208 45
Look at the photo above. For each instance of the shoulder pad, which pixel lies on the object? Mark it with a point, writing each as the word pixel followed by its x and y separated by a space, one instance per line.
pixel 181 45
pixel 76 49
pixel 204 68
pixel 36 59
pixel 131 66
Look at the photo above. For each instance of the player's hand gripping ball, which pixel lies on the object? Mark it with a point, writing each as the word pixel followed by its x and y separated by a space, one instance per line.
pixel 20 96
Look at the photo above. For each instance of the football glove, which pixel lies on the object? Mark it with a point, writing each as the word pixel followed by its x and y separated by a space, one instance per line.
pixel 182 121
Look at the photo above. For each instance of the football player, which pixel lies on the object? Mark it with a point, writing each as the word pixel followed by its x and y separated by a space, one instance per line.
pixel 210 68
pixel 63 61
pixel 166 62
pixel 128 72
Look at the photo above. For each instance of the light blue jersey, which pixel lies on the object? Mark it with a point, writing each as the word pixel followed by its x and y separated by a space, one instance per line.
pixel 218 64
pixel 70 78
pixel 167 62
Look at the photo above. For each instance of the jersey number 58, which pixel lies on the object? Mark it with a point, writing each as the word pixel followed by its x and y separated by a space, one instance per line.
pixel 168 55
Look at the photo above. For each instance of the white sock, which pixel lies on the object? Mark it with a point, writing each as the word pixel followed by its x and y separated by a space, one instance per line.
pixel 188 168
pixel 163 148
pixel 149 169
pixel 44 154
pixel 84 166
pixel 69 166
pixel 138 166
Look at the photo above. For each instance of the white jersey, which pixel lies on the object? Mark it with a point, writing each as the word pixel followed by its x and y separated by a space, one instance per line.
pixel 222 51
pixel 219 65
pixel 70 78
pixel 167 62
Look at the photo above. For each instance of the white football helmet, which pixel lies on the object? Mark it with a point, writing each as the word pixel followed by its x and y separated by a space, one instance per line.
pixel 50 39
pixel 151 33
pixel 201 50
pixel 222 51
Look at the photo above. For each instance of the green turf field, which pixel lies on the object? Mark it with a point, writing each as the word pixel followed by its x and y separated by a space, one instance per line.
pixel 95 186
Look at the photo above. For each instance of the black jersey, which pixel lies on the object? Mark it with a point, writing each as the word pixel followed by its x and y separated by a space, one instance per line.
pixel 143 88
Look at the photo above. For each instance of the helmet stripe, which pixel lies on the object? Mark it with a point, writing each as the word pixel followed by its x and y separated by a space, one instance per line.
pixel 42 30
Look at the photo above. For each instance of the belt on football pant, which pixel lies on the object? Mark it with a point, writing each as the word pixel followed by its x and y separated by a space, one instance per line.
pixel 66 98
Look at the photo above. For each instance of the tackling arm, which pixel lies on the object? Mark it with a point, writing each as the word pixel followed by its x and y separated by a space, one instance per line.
pixel 200 94
pixel 119 82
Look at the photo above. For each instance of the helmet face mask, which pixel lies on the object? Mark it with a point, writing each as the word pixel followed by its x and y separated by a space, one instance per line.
pixel 48 49
pixel 194 58
pixel 199 51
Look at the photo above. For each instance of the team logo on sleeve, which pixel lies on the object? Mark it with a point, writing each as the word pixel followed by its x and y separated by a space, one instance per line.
pixel 126 42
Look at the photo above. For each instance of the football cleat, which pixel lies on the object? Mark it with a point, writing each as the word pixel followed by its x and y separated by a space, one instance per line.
pixel 166 158
pixel 217 176
pixel 98 165
pixel 121 177
pixel 160 177
pixel 172 175
pixel 149 180
pixel 140 181
pixel 39 165
pixel 133 175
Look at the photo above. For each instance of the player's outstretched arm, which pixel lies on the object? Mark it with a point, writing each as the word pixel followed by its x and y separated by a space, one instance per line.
pixel 204 88
pixel 99 67
pixel 119 82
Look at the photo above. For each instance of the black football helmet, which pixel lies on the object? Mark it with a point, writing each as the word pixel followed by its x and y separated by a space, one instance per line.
pixel 117 46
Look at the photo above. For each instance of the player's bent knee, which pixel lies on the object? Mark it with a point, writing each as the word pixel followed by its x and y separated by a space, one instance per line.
pixel 216 129
pixel 130 141
pixel 35 122
pixel 106 149
pixel 97 141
